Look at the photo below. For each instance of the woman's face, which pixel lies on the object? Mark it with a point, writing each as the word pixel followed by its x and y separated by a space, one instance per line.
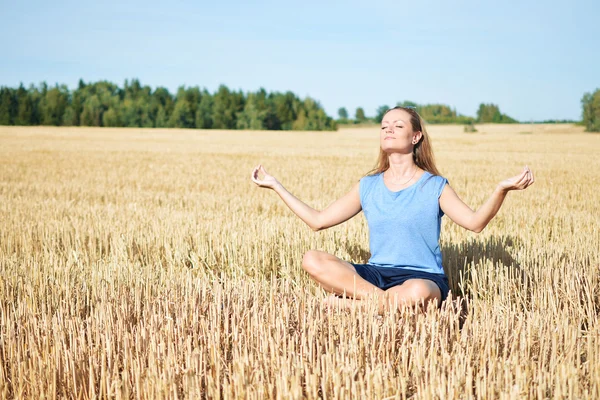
pixel 397 133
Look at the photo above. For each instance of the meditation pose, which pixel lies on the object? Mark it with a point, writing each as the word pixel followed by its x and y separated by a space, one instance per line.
pixel 403 198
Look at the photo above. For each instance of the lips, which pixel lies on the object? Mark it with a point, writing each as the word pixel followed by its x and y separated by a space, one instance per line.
pixel 388 137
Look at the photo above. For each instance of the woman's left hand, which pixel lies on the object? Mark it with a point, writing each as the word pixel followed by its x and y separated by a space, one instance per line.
pixel 519 182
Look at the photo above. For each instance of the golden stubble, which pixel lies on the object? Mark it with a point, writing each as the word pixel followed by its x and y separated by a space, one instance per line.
pixel 139 263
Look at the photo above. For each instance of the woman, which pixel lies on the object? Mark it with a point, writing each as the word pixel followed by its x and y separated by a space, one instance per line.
pixel 403 198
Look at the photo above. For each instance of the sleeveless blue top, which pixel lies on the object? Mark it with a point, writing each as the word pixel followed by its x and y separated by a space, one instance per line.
pixel 404 226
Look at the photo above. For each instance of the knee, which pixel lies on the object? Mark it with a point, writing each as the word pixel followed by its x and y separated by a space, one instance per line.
pixel 311 262
pixel 419 291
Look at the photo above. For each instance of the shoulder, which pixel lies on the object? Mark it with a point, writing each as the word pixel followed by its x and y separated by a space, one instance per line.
pixel 369 179
pixel 366 183
pixel 434 178
pixel 371 176
pixel 434 183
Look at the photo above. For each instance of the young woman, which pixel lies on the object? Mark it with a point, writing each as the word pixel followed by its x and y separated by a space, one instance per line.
pixel 403 198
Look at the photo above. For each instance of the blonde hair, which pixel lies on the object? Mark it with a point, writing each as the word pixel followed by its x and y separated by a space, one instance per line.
pixel 422 151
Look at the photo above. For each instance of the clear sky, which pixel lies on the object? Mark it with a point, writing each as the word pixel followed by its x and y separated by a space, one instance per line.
pixel 535 59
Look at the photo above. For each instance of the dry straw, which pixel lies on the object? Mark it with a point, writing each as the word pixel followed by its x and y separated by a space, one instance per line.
pixel 146 264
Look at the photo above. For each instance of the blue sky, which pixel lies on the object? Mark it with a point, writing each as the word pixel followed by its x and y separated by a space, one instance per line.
pixel 534 59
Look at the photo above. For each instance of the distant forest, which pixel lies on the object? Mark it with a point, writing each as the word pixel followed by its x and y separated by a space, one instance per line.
pixel 432 114
pixel 106 104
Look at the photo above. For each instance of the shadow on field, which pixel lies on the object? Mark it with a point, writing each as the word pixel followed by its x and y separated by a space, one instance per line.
pixel 458 258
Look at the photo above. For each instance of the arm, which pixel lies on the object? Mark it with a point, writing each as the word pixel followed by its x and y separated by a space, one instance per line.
pixel 462 214
pixel 339 211
pixel 476 221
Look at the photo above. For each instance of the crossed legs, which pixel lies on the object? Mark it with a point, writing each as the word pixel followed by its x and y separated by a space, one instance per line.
pixel 339 276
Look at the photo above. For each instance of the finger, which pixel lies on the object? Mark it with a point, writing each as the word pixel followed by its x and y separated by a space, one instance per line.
pixel 521 179
pixel 529 179
pixel 517 179
pixel 521 175
pixel 255 177
pixel 263 169
pixel 529 183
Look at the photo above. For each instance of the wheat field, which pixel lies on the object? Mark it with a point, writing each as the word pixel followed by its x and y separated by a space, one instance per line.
pixel 140 263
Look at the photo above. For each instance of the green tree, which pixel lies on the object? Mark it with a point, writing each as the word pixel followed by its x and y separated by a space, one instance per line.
pixel 136 108
pixel 183 116
pixel 53 105
pixel 69 117
pixel 161 105
pixel 162 118
pixel 25 109
pixel 284 111
pixel 111 118
pixel 255 112
pixel 437 113
pixel 74 118
pixel 380 113
pixel 204 112
pixel 224 109
pixel 491 113
pixel 7 106
pixel 92 112
pixel 359 116
pixel 343 114
pixel 591 111
pixel 301 122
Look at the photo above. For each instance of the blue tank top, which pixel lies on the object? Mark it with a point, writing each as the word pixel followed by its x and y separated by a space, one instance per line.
pixel 404 226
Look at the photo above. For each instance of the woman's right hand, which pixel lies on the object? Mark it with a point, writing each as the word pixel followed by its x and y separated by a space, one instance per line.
pixel 267 181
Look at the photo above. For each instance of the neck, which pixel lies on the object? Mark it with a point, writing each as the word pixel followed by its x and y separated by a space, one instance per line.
pixel 402 166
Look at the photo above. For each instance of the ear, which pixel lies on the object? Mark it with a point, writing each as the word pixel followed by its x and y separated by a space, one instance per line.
pixel 418 135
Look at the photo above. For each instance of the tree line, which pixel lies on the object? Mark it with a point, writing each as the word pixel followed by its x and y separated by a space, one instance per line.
pixel 105 104
pixel 432 114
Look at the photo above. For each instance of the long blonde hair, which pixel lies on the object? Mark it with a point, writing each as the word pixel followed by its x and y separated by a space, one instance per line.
pixel 422 151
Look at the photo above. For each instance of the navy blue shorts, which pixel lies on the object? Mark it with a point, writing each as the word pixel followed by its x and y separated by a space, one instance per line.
pixel 387 277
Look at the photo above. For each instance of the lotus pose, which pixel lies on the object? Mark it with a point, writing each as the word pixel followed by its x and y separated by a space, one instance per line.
pixel 404 198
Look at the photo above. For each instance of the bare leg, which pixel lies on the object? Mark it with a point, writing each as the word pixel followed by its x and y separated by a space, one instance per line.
pixel 337 276
pixel 417 294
